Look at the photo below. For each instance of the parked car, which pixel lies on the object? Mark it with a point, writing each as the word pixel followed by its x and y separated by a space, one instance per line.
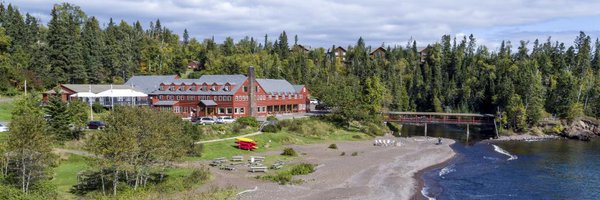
pixel 96 125
pixel 314 101
pixel 225 120
pixel 3 128
pixel 205 120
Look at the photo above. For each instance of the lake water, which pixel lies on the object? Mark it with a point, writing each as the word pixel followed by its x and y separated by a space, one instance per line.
pixel 551 169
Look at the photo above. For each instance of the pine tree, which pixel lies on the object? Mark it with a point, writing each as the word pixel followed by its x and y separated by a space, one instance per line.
pixel 58 118
pixel 186 37
pixel 91 38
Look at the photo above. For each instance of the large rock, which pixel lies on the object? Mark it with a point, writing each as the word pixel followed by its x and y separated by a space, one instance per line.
pixel 582 129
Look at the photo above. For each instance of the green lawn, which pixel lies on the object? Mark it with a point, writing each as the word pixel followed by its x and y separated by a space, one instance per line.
pixel 6 109
pixel 65 175
pixel 271 141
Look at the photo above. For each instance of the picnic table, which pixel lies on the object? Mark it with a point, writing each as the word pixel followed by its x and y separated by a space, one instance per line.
pixel 258 169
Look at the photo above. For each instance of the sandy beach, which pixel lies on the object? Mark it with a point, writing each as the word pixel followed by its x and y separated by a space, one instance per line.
pixel 375 173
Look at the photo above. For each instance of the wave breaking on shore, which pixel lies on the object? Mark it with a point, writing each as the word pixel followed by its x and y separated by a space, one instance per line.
pixel 502 151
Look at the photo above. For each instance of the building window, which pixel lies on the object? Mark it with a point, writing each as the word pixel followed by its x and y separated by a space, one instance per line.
pixel 245 89
pixel 215 98
pixel 221 110
pixel 226 88
pixel 237 98
pixel 229 110
pixel 220 98
pixel 236 110
pixel 242 110
pixel 171 88
pixel 170 97
pixel 177 109
pixel 213 88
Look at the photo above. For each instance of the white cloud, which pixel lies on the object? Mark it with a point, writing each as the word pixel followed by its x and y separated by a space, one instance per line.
pixel 328 22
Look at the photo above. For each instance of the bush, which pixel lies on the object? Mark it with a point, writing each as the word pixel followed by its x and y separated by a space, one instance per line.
pixel 272 118
pixel 247 121
pixel 195 150
pixel 332 146
pixel 302 169
pixel 308 127
pixel 198 176
pixel 343 154
pixel 289 152
pixel 271 128
pixel 98 108
pixel 373 129
pixel 285 177
pixel 355 153
pixel 394 127
pixel 356 137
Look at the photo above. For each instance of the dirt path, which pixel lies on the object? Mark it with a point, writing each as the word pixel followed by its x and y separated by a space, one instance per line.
pixel 229 138
pixel 73 151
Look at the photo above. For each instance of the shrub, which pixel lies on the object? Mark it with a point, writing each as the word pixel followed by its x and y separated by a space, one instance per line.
pixel 195 150
pixel 357 137
pixel 302 169
pixel 272 118
pixel 285 177
pixel 198 176
pixel 271 128
pixel 373 129
pixel 308 127
pixel 394 127
pixel 98 108
pixel 343 154
pixel 289 152
pixel 355 153
pixel 332 146
pixel 247 121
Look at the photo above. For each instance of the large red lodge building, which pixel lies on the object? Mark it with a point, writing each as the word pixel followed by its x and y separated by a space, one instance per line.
pixel 223 95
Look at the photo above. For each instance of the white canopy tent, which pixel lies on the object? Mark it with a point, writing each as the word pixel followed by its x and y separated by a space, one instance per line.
pixel 121 93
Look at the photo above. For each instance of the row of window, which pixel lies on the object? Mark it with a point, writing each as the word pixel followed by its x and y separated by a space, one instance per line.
pixel 240 110
pixel 201 88
pixel 194 98
pixel 228 98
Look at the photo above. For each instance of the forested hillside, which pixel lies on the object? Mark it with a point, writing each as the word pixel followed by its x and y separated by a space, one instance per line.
pixel 524 81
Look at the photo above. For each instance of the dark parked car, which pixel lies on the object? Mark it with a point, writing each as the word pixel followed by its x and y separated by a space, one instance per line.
pixel 96 125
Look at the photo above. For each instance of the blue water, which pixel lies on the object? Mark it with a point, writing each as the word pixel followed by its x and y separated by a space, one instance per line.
pixel 552 169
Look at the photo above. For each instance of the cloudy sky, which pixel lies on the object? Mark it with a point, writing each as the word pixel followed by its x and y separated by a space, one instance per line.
pixel 322 23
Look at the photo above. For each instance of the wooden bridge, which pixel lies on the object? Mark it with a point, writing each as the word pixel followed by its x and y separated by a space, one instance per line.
pixel 441 118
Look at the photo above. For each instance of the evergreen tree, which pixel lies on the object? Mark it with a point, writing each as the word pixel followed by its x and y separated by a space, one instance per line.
pixel 58 118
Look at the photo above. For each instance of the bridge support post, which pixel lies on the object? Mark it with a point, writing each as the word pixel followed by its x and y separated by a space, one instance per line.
pixel 425 129
pixel 468 133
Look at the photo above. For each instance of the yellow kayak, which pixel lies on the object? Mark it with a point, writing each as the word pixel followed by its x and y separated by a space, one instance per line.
pixel 244 139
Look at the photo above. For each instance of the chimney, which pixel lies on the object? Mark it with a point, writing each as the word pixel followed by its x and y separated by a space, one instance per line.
pixel 251 92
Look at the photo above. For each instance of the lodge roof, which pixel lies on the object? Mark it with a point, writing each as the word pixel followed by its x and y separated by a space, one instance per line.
pixel 87 87
pixel 298 88
pixel 148 84
pixel 279 86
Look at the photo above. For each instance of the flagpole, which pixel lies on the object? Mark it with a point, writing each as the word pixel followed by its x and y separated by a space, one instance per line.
pixel 112 99
pixel 91 106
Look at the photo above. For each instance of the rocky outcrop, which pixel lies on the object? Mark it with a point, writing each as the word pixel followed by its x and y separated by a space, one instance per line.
pixel 582 129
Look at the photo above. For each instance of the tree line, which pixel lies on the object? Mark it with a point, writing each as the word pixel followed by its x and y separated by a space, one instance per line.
pixel 523 82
